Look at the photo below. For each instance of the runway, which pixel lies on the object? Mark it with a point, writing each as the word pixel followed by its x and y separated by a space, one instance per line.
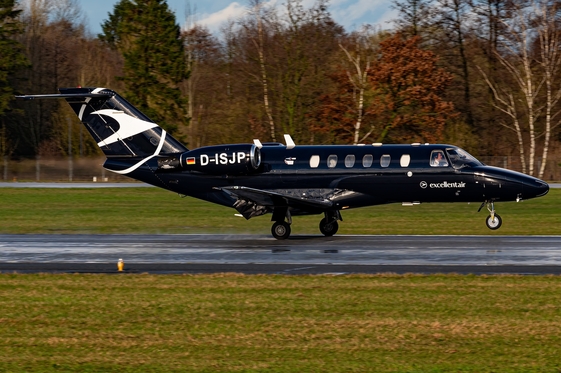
pixel 253 254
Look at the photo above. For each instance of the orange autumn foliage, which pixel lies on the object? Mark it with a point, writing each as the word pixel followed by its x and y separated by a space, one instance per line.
pixel 404 99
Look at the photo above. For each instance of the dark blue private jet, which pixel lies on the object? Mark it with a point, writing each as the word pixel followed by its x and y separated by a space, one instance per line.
pixel 286 180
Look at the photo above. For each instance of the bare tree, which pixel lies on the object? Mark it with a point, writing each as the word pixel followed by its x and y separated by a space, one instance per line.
pixel 414 16
pixel 56 46
pixel 308 37
pixel 67 10
pixel 452 17
pixel 360 62
pixel 532 28
pixel 205 82
pixel 549 37
pixel 257 11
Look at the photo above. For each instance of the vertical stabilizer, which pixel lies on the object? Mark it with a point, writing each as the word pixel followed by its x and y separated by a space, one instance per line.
pixel 128 138
pixel 117 126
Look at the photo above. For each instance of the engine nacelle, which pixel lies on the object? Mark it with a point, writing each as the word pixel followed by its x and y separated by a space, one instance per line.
pixel 236 159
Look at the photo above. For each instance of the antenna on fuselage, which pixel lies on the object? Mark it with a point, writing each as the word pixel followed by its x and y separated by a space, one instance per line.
pixel 289 142
pixel 257 143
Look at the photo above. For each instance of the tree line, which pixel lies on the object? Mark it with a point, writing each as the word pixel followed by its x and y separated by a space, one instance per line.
pixel 481 74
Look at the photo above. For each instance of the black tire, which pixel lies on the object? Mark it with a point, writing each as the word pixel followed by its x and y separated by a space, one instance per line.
pixel 494 224
pixel 328 229
pixel 281 230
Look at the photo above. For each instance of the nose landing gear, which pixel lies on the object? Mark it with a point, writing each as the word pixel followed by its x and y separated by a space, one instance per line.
pixel 494 220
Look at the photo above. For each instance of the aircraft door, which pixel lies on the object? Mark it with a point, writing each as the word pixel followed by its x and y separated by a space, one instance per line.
pixel 489 187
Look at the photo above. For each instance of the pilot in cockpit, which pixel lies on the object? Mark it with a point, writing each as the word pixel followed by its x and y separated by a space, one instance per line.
pixel 438 159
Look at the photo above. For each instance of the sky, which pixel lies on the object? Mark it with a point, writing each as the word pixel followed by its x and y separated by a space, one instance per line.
pixel 351 14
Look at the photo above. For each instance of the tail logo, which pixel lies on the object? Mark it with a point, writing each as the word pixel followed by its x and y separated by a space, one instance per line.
pixel 128 126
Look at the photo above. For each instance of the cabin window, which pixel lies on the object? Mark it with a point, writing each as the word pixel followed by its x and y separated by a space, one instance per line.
pixel 437 159
pixel 332 161
pixel 367 160
pixel 385 160
pixel 405 160
pixel 349 161
pixel 314 161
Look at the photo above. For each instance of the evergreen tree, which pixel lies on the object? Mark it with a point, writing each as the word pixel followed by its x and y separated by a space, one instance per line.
pixel 147 36
pixel 11 56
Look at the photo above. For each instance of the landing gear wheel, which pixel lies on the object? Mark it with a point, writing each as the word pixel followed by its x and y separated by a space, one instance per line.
pixel 494 223
pixel 328 228
pixel 281 230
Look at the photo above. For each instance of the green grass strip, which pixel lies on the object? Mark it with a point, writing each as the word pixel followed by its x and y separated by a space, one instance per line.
pixel 152 210
pixel 237 323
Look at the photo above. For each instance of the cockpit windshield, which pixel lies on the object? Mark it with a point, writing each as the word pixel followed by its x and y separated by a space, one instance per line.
pixel 460 158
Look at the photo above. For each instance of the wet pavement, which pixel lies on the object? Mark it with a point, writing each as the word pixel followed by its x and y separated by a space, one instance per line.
pixel 263 254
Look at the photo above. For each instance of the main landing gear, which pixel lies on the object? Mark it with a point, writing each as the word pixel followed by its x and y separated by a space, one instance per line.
pixel 280 230
pixel 494 220
pixel 282 220
pixel 328 225
pixel 281 226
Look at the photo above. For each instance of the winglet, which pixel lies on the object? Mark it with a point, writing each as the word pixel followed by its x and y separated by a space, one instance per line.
pixel 289 142
pixel 257 143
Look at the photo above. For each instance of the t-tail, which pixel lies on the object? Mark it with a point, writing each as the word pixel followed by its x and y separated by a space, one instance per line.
pixel 128 137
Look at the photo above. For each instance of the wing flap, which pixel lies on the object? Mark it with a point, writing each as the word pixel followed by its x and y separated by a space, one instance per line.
pixel 252 202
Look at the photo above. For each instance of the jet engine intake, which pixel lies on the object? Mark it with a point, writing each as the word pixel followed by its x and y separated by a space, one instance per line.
pixel 236 159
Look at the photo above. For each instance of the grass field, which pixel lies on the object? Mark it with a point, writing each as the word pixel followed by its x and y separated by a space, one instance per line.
pixel 236 323
pixel 152 210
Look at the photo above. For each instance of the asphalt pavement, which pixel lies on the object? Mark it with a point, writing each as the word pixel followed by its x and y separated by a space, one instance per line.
pixel 298 255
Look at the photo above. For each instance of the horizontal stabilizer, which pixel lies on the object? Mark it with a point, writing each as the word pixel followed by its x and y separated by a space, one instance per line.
pixel 63 95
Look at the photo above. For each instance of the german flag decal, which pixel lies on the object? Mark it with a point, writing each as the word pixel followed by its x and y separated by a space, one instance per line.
pixel 191 160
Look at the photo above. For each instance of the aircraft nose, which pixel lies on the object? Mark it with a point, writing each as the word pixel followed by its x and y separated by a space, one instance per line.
pixel 537 188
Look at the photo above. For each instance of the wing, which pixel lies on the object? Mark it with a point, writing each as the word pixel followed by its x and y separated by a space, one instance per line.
pixel 252 202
